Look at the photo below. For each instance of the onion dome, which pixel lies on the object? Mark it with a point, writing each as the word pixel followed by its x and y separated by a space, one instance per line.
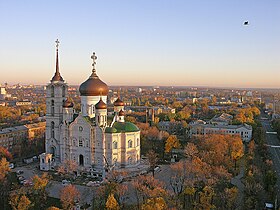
pixel 121 113
pixel 93 86
pixel 118 102
pixel 57 77
pixel 100 105
pixel 68 103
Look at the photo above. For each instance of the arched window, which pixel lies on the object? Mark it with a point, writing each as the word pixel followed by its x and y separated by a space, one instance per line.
pixel 52 107
pixel 52 129
pixel 129 144
pixel 52 91
pixel 80 142
pixel 138 142
pixel 115 145
pixel 81 160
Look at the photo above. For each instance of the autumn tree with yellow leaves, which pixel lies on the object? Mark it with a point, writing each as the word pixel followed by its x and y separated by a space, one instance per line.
pixel 172 143
pixel 4 182
pixel 68 196
pixel 19 201
pixel 38 191
pixel 111 203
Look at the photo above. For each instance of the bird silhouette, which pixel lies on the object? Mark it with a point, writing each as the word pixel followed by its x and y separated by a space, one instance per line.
pixel 246 23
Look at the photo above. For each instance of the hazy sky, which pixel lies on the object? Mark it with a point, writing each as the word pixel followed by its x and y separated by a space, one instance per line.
pixel 143 42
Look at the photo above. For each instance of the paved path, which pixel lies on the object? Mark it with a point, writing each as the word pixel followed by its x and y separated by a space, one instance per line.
pixel 237 181
pixel 86 192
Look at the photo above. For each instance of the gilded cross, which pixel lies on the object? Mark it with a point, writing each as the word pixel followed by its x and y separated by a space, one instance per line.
pixel 57 43
pixel 94 58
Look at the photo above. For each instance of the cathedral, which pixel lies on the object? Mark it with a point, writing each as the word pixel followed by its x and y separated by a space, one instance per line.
pixel 93 139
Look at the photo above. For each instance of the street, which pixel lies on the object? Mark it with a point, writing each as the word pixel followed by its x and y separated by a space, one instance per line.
pixel 272 140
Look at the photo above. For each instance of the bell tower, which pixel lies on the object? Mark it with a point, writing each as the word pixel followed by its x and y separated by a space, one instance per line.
pixel 56 94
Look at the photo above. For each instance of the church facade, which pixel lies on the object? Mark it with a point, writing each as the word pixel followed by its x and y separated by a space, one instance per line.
pixel 89 138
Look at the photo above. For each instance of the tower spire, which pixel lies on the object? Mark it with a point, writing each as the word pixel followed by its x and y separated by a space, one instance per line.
pixel 57 66
pixel 94 58
pixel 57 76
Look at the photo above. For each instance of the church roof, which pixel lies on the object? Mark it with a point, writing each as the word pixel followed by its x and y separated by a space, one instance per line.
pixel 122 127
pixel 93 86
pixel 121 113
pixel 100 105
pixel 118 102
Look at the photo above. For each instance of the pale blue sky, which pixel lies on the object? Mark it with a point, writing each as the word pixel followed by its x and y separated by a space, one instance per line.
pixel 143 42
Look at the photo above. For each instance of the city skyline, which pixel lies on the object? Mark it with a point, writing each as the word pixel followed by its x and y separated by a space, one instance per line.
pixel 183 43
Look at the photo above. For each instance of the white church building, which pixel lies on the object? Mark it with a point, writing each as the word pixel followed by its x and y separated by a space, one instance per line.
pixel 87 138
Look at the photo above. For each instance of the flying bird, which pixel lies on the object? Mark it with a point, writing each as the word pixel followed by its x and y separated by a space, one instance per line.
pixel 246 23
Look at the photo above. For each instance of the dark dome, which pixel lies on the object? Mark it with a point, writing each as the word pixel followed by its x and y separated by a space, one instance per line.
pixel 68 103
pixel 118 102
pixel 93 86
pixel 100 105
pixel 121 113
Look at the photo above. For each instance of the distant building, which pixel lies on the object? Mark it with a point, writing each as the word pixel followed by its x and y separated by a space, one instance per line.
pixel 223 119
pixel 3 93
pixel 10 137
pixel 164 109
pixel 36 130
pixel 244 131
pixel 23 103
pixel 170 127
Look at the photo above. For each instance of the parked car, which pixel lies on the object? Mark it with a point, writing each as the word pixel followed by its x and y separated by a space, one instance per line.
pixel 11 165
pixel 268 206
pixel 19 172
pixel 65 182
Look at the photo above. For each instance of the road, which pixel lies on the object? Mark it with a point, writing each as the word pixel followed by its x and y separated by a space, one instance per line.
pixel 272 140
pixel 86 192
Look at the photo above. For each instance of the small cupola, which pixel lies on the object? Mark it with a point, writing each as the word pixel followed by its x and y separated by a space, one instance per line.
pixel 121 116
pixel 118 102
pixel 100 104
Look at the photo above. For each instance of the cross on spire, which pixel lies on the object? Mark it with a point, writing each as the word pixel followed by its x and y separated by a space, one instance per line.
pixel 94 58
pixel 57 44
pixel 57 76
